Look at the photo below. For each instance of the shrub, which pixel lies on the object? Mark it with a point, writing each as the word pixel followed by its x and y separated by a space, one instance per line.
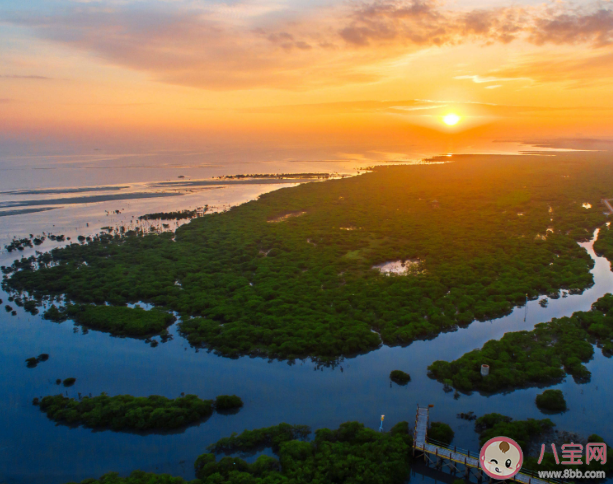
pixel 441 432
pixel 522 431
pixel 551 400
pixel 400 377
pixel 54 314
pixel 228 402
pixel 350 454
pixel 121 320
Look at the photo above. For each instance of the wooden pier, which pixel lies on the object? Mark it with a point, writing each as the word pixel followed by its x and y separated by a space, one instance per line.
pixel 458 461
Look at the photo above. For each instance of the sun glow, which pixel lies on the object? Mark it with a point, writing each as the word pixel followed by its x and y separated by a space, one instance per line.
pixel 451 119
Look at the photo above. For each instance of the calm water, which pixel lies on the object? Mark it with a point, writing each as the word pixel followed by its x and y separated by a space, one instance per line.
pixel 33 448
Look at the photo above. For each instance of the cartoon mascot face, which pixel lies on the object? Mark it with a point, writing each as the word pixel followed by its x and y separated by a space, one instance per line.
pixel 501 458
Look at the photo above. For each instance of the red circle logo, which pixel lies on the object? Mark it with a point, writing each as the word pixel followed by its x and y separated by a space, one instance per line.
pixel 501 458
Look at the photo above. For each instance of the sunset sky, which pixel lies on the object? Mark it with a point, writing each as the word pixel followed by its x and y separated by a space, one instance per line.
pixel 329 76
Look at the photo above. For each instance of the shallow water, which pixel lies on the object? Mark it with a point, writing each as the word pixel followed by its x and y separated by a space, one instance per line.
pixel 33 447
pixel 398 267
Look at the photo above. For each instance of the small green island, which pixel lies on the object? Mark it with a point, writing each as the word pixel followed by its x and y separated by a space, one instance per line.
pixel 551 401
pixel 542 356
pixel 32 362
pixel 228 403
pixel 126 412
pixel 396 254
pixel 68 382
pixel 400 377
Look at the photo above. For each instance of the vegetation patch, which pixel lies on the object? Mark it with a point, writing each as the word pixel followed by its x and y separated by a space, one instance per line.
pixel 441 432
pixel 551 400
pixel 529 432
pixel 228 402
pixel 264 437
pixel 178 215
pixel 125 412
pixel 68 382
pixel 138 477
pixel 521 431
pixel 604 244
pixel 117 320
pixel 529 358
pixel 351 454
pixel 400 377
pixel 279 176
pixel 323 299
pixel 33 362
pixel 54 314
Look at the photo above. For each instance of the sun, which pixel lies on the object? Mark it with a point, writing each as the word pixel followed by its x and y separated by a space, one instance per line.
pixel 451 119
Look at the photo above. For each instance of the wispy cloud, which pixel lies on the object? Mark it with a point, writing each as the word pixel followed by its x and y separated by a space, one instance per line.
pixel 487 79
pixel 592 69
pixel 411 107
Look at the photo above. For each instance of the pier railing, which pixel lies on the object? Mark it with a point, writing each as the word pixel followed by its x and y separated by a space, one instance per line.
pixel 445 455
pixel 475 455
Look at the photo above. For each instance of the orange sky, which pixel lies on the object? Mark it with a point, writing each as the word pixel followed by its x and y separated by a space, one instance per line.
pixel 371 76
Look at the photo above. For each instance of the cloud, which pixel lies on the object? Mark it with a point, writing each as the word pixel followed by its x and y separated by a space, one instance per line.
pixel 411 107
pixel 28 77
pixel 577 26
pixel 232 48
pixel 592 69
pixel 425 22
pixel 572 143
pixel 481 80
pixel 428 22
pixel 287 41
pixel 187 47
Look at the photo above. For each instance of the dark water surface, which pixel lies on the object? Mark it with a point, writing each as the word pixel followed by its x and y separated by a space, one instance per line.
pixel 34 449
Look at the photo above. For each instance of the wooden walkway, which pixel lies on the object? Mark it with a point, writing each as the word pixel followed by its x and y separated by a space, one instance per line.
pixel 443 456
